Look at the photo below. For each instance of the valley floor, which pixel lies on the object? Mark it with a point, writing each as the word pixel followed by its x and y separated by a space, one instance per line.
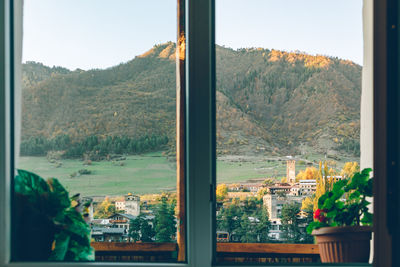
pixel 153 173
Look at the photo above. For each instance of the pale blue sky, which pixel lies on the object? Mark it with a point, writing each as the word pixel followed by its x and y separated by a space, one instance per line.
pixel 102 33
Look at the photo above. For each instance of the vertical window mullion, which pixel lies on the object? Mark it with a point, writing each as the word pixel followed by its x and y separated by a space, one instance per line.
pixel 5 145
pixel 200 131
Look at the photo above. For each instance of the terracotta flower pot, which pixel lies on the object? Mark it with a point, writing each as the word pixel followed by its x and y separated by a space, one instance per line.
pixel 344 244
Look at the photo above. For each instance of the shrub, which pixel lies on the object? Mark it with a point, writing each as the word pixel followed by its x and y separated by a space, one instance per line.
pixel 84 171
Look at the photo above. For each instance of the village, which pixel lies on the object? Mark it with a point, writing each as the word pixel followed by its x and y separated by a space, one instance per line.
pixel 273 196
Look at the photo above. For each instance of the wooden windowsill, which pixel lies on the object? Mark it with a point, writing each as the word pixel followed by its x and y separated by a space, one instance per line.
pixel 251 248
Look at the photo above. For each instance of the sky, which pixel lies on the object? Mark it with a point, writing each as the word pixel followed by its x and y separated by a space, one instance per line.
pixel 89 34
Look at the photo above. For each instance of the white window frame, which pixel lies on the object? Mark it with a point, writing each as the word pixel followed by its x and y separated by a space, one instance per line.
pixel 200 132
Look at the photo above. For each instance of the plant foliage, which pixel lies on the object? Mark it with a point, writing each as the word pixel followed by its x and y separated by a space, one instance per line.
pixel 346 204
pixel 46 214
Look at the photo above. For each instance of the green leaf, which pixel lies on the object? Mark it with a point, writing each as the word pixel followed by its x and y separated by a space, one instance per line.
pixel 354 195
pixel 366 171
pixel 87 204
pixel 367 219
pixel 321 200
pixel 58 197
pixel 61 247
pixel 339 185
pixel 77 252
pixel 75 223
pixel 332 213
pixel 315 225
pixel 75 197
pixel 30 184
pixel 340 205
pixel 369 188
pixel 48 206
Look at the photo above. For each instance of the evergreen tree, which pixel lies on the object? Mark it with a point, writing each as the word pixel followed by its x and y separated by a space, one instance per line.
pixel 141 229
pixel 291 222
pixel 229 218
pixel 165 224
pixel 247 232
pixel 135 229
pixel 147 230
pixel 263 226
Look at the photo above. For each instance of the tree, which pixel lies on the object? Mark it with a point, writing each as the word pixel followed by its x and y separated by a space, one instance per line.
pixel 165 225
pixel 324 183
pixel 263 226
pixel 310 173
pixel 229 218
pixel 135 229
pixel 147 231
pixel 307 204
pixel 105 210
pixel 247 232
pixel 222 192
pixel 290 223
pixel 250 205
pixel 261 192
pixel 269 181
pixel 141 229
pixel 349 169
pixel 235 218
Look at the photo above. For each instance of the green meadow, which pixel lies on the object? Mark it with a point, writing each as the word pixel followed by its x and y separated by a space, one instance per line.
pixel 148 173
pixel 141 174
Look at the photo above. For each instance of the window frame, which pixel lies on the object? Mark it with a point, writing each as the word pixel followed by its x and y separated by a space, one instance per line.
pixel 200 150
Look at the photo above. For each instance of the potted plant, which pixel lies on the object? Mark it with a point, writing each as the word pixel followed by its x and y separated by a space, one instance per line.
pixel 48 225
pixel 342 222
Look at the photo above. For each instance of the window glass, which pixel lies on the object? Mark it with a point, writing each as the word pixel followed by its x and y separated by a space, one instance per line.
pixel 288 95
pixel 98 115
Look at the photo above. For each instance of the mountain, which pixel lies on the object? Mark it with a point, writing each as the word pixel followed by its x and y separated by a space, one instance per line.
pixel 34 72
pixel 297 99
pixel 268 101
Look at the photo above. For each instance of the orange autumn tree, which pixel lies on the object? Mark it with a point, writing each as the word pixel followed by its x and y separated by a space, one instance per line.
pixel 105 209
pixel 325 180
pixel 349 169
pixel 310 173
pixel 222 192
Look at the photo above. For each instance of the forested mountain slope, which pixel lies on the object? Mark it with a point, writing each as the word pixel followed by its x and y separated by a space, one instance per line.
pixel 268 101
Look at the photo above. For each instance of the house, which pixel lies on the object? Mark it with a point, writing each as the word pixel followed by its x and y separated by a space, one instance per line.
pixel 130 204
pixel 279 187
pixel 121 220
pixel 307 187
pixel 294 190
pixel 254 187
pixel 274 204
pixel 245 187
pixel 335 178
pixel 275 232
pixel 103 222
pixel 103 234
pixel 120 205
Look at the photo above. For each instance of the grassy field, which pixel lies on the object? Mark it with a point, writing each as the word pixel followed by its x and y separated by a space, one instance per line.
pixel 151 173
pixel 229 172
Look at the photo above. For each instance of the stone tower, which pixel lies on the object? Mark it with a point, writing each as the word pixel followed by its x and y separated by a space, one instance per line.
pixel 291 171
pixel 132 204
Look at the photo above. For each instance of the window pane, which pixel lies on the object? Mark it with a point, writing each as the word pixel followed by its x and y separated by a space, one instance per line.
pixel 99 115
pixel 288 121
